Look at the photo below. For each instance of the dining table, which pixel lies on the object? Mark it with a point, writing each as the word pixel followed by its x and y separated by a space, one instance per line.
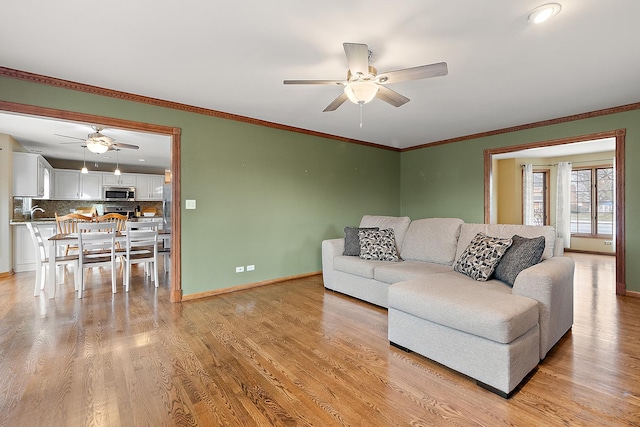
pixel 58 240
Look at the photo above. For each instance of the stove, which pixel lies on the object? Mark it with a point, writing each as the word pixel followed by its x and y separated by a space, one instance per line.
pixel 119 209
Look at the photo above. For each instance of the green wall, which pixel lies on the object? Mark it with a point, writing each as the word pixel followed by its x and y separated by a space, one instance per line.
pixel 264 196
pixel 268 197
pixel 448 180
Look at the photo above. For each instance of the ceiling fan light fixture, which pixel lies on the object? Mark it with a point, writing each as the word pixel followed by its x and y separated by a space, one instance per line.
pixel 95 146
pixel 542 13
pixel 361 92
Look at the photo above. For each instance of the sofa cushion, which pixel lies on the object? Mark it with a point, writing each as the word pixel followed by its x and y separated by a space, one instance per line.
pixel 432 240
pixel 352 240
pixel 481 257
pixel 523 253
pixel 406 270
pixel 399 225
pixel 357 266
pixel 378 245
pixel 468 232
pixel 486 309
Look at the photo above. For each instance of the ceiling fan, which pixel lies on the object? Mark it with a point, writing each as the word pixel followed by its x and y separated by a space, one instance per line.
pixel 363 82
pixel 99 143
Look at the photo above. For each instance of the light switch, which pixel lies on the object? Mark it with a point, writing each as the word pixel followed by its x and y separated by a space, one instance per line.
pixel 190 204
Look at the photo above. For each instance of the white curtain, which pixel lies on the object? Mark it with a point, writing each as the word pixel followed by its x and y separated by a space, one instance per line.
pixel 563 203
pixel 527 195
pixel 615 204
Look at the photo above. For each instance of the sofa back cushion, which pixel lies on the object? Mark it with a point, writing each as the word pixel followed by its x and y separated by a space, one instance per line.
pixel 399 224
pixel 432 240
pixel 469 231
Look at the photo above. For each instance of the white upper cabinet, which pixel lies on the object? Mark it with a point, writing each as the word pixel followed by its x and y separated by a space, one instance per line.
pixel 73 185
pixel 124 180
pixel 91 186
pixel 31 175
pixel 67 184
pixel 149 187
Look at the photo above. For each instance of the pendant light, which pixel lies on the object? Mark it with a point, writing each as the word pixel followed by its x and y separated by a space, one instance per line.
pixel 117 171
pixel 84 161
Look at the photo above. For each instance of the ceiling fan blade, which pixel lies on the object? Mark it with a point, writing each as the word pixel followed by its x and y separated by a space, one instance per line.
pixel 415 73
pixel 314 82
pixel 336 103
pixel 357 57
pixel 67 136
pixel 122 145
pixel 390 96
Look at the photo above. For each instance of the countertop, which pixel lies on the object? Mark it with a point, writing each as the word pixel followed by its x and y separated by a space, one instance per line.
pixel 39 221
pixel 45 221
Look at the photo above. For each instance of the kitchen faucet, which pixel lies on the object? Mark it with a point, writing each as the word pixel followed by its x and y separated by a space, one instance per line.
pixel 36 208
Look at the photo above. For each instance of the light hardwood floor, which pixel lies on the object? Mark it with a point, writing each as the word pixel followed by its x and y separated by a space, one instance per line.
pixel 289 354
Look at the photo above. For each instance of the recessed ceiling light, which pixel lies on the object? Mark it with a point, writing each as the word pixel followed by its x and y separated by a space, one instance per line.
pixel 542 13
pixel 141 160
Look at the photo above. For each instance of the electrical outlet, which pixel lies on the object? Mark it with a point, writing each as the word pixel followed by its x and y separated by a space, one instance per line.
pixel 251 267
pixel 239 269
pixel 608 242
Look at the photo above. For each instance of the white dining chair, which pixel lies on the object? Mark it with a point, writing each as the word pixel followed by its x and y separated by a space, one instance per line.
pixel 96 243
pixel 141 247
pixel 42 261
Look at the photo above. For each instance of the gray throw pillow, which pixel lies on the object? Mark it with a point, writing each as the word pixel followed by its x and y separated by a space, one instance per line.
pixel 378 245
pixel 352 241
pixel 481 257
pixel 522 254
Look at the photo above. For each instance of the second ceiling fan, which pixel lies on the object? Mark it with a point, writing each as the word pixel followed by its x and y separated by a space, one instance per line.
pixel 363 82
pixel 99 143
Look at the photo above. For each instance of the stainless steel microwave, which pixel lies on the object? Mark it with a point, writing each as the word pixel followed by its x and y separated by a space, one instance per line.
pixel 122 194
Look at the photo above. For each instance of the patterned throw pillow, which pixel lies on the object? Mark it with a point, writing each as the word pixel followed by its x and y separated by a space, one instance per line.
pixel 522 254
pixel 378 245
pixel 352 240
pixel 482 255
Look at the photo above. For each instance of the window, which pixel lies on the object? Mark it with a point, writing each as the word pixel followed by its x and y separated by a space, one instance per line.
pixel 541 197
pixel 592 201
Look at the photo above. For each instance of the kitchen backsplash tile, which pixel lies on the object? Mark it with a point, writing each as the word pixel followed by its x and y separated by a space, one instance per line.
pixel 63 207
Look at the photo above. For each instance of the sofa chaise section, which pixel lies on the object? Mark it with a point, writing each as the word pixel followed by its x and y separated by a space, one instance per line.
pixel 479 330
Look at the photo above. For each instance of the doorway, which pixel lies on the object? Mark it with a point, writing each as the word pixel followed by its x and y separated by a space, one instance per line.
pixel 173 133
pixel 619 136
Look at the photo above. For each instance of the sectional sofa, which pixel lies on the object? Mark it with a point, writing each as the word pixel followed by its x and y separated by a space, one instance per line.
pixel 491 330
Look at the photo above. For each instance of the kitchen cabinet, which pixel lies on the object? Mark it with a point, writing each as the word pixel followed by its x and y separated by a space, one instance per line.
pixel 149 187
pixel 73 185
pixel 31 176
pixel 24 252
pixel 124 180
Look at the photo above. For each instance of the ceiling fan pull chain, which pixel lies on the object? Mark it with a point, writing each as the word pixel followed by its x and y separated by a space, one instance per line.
pixel 361 104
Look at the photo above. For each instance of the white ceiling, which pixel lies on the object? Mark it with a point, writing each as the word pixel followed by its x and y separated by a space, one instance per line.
pixel 233 57
pixel 562 150
pixel 40 135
